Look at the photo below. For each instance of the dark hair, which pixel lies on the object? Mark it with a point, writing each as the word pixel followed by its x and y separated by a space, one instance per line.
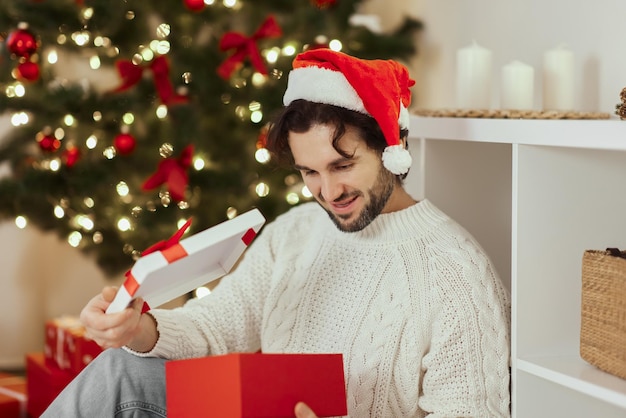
pixel 301 115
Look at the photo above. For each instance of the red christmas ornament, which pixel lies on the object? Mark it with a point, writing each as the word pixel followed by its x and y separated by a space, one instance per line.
pixel 27 71
pixel 124 143
pixel 71 155
pixel 22 42
pixel 48 142
pixel 195 5
pixel 261 140
pixel 324 4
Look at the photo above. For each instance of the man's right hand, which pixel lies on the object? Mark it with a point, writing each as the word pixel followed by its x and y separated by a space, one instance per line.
pixel 128 327
pixel 302 410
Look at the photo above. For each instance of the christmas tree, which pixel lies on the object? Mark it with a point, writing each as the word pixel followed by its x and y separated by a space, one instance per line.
pixel 128 117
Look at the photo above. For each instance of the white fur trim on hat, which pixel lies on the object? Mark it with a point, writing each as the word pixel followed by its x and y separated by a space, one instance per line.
pixel 320 85
pixel 404 117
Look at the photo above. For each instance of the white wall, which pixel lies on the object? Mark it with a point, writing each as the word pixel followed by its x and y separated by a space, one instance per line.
pixel 43 277
pixel 517 30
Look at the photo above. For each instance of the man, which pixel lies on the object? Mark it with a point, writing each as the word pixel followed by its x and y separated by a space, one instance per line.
pixel 401 290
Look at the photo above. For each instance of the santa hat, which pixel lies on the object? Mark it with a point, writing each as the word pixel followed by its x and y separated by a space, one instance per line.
pixel 379 88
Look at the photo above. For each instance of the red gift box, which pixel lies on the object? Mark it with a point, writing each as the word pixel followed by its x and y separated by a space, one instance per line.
pixel 12 396
pixel 66 346
pixel 255 385
pixel 55 340
pixel 44 381
pixel 80 349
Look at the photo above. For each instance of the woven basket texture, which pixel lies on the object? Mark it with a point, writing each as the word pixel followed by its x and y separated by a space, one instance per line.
pixel 603 311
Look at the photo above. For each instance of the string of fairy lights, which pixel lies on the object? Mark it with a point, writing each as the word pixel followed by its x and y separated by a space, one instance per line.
pixel 82 221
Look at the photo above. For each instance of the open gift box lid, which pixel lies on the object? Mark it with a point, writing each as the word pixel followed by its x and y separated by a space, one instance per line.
pixel 163 275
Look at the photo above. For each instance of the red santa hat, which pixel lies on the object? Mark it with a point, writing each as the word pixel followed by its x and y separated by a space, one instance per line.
pixel 379 88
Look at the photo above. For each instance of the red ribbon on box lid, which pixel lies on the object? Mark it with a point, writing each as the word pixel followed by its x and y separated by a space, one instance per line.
pixel 171 250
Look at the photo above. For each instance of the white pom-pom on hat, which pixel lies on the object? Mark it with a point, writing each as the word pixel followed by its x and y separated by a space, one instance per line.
pixel 379 88
pixel 397 159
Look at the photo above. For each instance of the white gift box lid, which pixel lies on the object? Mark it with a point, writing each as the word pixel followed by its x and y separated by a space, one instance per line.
pixel 193 262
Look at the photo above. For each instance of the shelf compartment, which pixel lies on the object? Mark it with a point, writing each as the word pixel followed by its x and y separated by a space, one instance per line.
pixel 578 375
pixel 538 397
pixel 566 194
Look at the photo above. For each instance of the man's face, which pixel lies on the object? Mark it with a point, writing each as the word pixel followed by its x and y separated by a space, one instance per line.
pixel 353 191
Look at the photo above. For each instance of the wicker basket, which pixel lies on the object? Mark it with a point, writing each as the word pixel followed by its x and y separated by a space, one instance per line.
pixel 603 310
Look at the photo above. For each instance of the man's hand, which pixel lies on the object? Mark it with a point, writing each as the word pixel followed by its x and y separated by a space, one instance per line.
pixel 303 411
pixel 128 327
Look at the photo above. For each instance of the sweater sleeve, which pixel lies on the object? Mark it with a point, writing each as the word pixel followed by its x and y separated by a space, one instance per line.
pixel 228 319
pixel 466 370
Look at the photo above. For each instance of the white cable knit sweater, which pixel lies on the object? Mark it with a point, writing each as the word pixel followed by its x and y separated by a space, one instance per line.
pixel 411 301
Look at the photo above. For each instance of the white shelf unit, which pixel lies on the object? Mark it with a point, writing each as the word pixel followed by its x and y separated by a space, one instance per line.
pixel 536 194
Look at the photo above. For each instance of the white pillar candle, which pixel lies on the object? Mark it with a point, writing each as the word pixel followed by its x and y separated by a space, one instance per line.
pixel 558 79
pixel 473 81
pixel 518 84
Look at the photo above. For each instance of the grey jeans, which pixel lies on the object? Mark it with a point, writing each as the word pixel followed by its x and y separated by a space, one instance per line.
pixel 116 384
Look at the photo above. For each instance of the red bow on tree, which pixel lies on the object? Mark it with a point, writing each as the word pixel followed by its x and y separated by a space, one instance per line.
pixel 131 74
pixel 172 171
pixel 71 155
pixel 245 46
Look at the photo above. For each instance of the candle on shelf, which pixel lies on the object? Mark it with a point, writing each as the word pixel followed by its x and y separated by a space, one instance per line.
pixel 518 84
pixel 473 81
pixel 558 79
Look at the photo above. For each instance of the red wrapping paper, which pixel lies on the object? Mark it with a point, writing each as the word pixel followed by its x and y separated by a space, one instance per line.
pixel 66 345
pixel 55 340
pixel 44 382
pixel 12 396
pixel 80 350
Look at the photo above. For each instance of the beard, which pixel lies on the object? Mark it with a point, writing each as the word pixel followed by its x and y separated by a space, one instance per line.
pixel 378 195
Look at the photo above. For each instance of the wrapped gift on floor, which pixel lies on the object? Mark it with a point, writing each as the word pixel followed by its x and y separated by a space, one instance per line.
pixel 56 330
pixel 255 385
pixel 80 349
pixel 12 396
pixel 66 345
pixel 44 381
pixel 174 267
